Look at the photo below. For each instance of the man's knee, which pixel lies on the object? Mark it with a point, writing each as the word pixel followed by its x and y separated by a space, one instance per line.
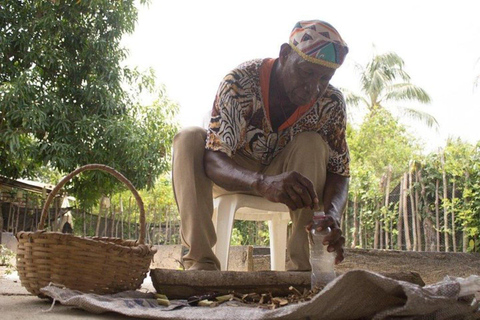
pixel 309 141
pixel 190 137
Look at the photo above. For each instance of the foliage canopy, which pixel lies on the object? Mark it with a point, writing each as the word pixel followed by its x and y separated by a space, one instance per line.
pixel 66 100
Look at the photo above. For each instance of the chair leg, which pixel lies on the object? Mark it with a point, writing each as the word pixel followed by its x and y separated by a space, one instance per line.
pixel 278 243
pixel 225 213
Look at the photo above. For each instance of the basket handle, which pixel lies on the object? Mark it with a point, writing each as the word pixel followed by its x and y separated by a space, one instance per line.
pixel 101 167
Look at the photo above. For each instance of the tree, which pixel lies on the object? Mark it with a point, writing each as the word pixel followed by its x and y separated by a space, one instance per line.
pixel 458 163
pixel 469 213
pixel 384 81
pixel 66 100
pixel 450 182
pixel 380 150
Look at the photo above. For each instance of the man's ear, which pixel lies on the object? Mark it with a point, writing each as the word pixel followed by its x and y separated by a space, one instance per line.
pixel 285 51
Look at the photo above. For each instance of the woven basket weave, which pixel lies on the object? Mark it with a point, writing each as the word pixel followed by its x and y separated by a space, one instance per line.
pixel 95 265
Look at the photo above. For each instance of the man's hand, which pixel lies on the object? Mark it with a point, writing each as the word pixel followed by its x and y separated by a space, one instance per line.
pixel 290 188
pixel 334 239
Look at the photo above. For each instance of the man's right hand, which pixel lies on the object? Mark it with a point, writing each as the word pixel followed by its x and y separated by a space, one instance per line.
pixel 291 188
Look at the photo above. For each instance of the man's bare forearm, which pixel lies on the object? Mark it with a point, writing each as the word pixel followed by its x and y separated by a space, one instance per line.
pixel 291 188
pixel 335 195
pixel 226 173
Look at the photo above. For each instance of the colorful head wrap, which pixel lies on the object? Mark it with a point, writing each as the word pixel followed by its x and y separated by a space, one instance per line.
pixel 318 42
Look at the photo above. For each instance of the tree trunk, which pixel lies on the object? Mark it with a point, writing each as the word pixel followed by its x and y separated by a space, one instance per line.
pixel 147 233
pixel 99 217
pixel 392 243
pixel 445 196
pixel 90 222
pixel 355 221
pixel 167 226
pixel 400 212
pixel 377 229
pixel 428 232
pixel 381 232
pixel 418 216
pixel 464 241
pixel 360 228
pixel 465 221
pixel 136 226
pixel 412 206
pixel 454 238
pixel 128 216
pixel 437 213
pixel 365 237
pixel 49 219
pixel 160 238
pixel 387 205
pixel 84 219
pixel 156 217
pixel 105 228
pixel 114 229
pixel 405 213
pixel 25 213
pixel 121 217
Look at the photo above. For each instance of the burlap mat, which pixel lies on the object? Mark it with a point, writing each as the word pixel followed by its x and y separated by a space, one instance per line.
pixel 354 295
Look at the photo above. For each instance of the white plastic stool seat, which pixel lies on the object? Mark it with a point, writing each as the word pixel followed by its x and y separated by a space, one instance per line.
pixel 252 208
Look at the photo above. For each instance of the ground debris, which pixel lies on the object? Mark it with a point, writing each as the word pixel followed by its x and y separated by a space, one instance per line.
pixel 253 299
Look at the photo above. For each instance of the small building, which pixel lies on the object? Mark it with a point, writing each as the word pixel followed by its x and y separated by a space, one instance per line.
pixel 21 203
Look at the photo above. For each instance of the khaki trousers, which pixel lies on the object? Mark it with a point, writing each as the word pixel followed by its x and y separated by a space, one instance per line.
pixel 307 154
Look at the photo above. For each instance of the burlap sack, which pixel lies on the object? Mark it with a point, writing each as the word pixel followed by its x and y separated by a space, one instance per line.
pixel 354 295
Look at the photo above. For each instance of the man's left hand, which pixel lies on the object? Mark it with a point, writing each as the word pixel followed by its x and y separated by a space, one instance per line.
pixel 335 240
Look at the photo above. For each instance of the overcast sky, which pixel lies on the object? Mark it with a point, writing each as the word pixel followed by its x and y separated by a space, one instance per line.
pixel 192 44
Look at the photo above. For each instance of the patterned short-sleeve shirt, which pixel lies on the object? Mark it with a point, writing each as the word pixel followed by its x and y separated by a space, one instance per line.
pixel 239 121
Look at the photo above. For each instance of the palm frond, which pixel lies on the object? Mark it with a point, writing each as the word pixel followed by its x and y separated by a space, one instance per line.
pixel 421 116
pixel 381 71
pixel 392 65
pixel 390 59
pixel 404 76
pixel 353 99
pixel 406 91
pixel 377 83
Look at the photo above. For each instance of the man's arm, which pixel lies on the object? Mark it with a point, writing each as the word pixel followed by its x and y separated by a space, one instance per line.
pixel 227 174
pixel 335 195
pixel 290 188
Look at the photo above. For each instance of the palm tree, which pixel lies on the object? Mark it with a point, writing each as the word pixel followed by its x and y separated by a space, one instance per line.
pixel 384 80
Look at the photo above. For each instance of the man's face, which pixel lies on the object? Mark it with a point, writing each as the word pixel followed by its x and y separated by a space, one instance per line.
pixel 304 81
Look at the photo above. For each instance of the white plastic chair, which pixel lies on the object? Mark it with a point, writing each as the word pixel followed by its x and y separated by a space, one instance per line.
pixel 248 207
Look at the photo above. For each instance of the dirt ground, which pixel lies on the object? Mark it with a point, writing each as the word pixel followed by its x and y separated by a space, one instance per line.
pixel 432 266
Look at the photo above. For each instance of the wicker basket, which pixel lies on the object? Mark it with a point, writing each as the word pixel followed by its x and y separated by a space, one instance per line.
pixel 96 265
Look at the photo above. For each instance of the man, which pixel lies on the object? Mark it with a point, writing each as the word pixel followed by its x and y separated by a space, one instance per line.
pixel 277 130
